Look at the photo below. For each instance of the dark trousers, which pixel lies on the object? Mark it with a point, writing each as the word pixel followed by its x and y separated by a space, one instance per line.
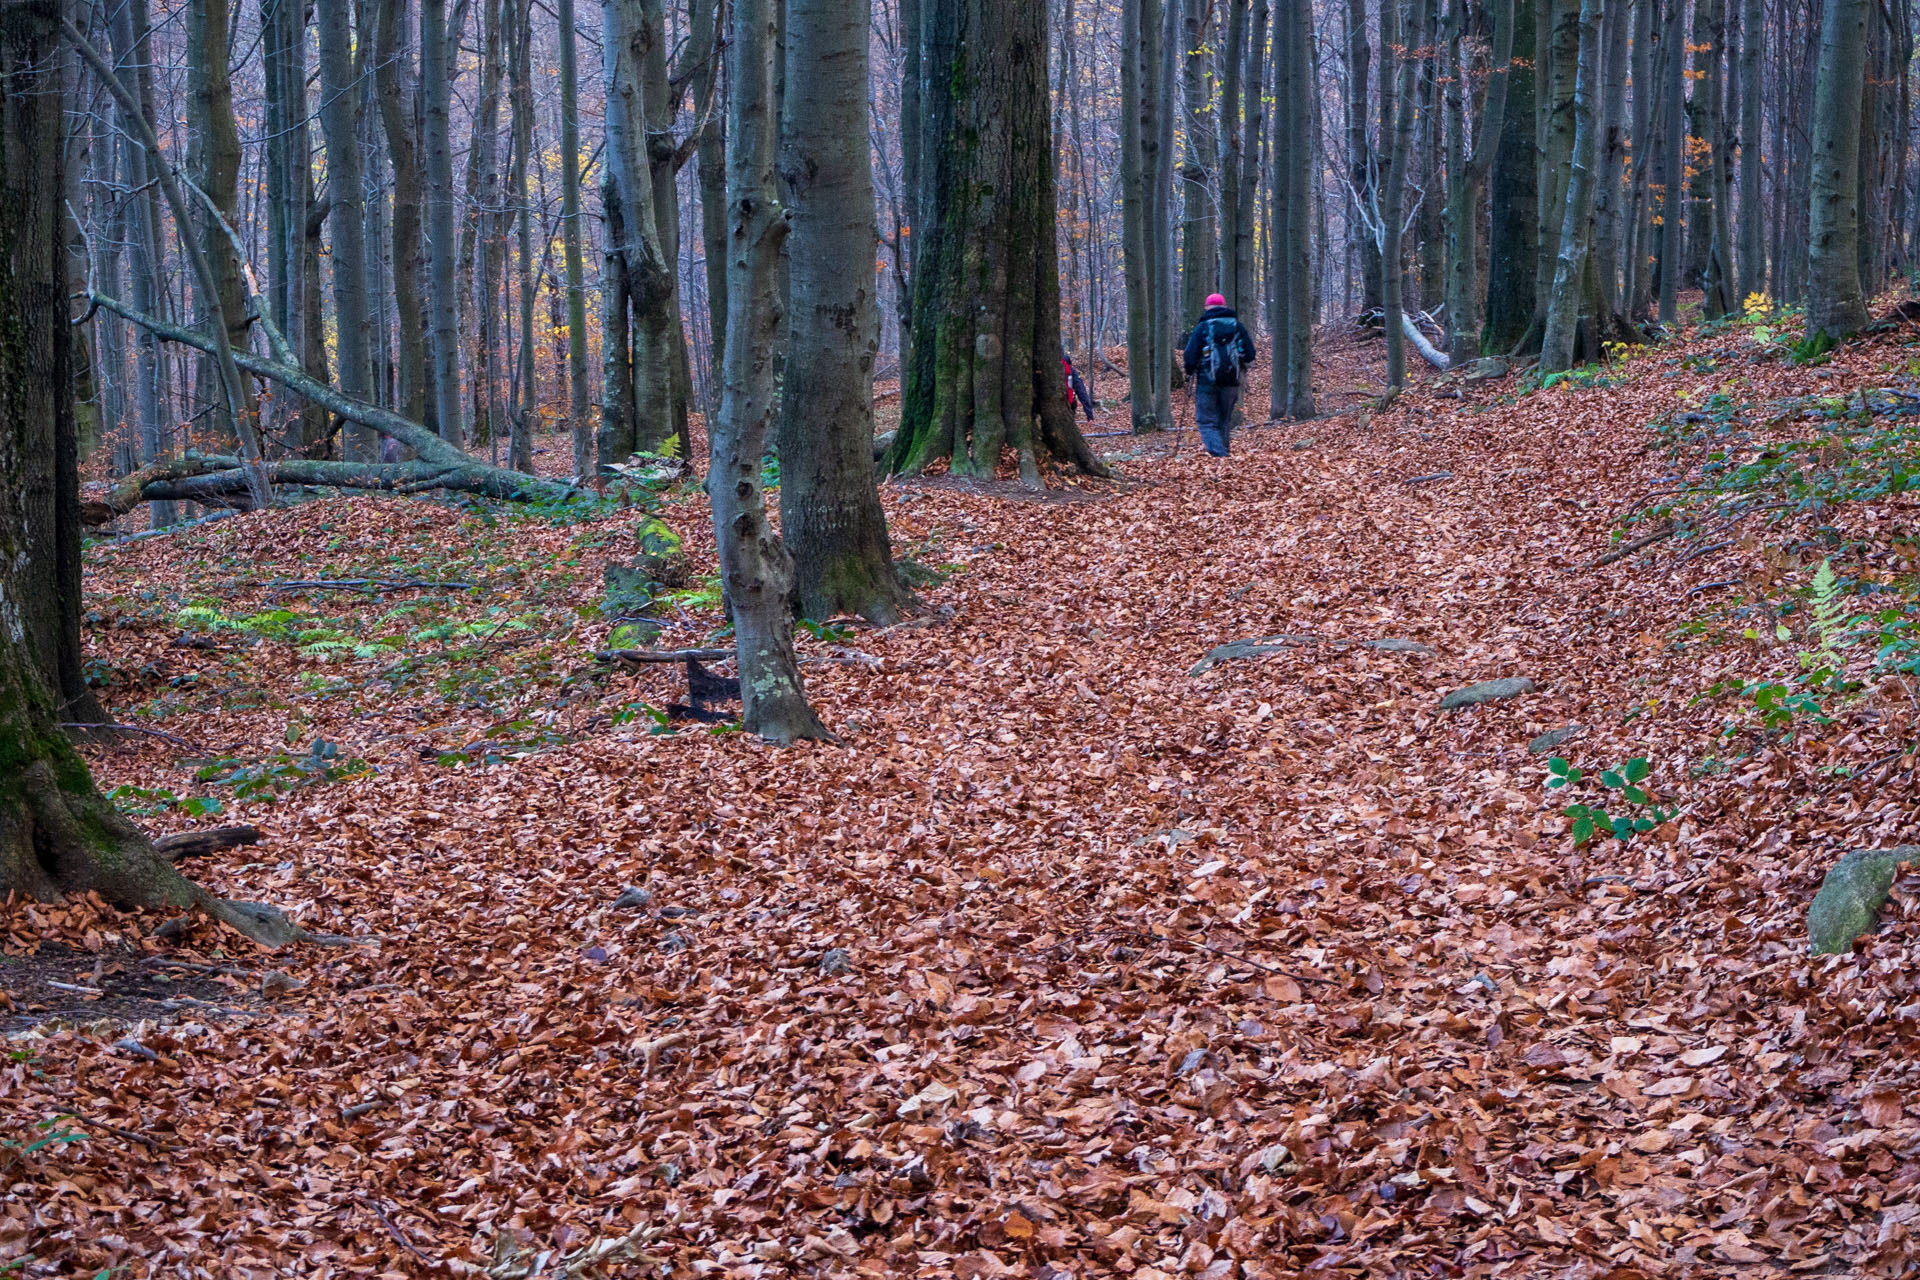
pixel 1213 412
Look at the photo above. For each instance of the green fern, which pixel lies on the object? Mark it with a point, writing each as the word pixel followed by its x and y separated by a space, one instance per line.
pixel 1829 623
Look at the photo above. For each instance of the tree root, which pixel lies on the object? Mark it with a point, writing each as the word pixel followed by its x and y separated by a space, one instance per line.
pixel 67 841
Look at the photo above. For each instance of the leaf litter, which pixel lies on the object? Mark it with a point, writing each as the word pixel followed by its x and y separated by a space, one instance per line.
pixel 1066 963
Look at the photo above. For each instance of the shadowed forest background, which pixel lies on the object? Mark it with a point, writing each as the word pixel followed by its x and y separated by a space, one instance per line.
pixel 578 698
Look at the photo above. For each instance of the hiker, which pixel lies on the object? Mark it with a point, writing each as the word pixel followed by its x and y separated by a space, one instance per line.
pixel 1076 389
pixel 1219 350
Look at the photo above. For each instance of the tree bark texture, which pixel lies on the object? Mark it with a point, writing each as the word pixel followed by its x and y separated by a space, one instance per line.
pixel 830 515
pixel 1514 228
pixel 1836 304
pixel 986 350
pixel 755 568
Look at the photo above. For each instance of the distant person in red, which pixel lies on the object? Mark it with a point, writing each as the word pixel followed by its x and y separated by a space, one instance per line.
pixel 1218 352
pixel 1076 389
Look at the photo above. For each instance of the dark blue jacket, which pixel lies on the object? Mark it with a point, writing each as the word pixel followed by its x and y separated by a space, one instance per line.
pixel 1197 341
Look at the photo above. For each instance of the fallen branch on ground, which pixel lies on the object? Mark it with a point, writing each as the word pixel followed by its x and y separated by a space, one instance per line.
pixel 131 728
pixel 197 844
pixel 366 584
pixel 1638 544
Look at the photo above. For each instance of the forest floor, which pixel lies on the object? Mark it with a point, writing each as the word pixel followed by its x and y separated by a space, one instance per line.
pixel 1064 961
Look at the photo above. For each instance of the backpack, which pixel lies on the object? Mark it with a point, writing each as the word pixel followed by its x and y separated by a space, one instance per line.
pixel 1221 359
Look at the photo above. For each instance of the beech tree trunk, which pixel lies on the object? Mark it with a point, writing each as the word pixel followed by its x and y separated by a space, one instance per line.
pixel 1138 138
pixel 1836 304
pixel 1674 161
pixel 394 86
pixel 830 514
pixel 1753 234
pixel 1467 191
pixel 214 147
pixel 443 336
pixel 1400 69
pixel 58 834
pixel 1568 305
pixel 1199 195
pixel 1233 151
pixel 340 125
pixel 579 400
pixel 1294 253
pixel 755 568
pixel 1513 204
pixel 986 312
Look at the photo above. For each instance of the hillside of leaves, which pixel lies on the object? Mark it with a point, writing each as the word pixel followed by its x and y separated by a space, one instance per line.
pixel 1064 962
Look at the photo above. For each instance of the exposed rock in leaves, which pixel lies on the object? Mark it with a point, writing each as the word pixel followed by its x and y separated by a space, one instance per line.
pixel 1487 691
pixel 1851 895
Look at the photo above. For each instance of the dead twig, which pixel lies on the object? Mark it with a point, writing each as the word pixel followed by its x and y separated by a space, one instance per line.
pixel 395 1232
pixel 1638 544
pixel 365 584
pixel 133 728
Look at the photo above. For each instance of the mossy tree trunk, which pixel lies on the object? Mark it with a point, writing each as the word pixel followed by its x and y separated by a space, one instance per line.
pixel 985 373
pixel 58 834
pixel 830 514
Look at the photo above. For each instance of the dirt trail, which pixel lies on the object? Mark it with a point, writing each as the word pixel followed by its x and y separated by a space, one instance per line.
pixel 1069 963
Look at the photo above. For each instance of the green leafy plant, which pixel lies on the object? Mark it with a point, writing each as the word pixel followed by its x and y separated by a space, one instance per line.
pixel 827 632
pixel 142 802
pixel 55 1134
pixel 272 776
pixel 1642 812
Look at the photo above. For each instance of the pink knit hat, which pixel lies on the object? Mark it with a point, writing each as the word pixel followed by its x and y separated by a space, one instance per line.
pixel 1216 300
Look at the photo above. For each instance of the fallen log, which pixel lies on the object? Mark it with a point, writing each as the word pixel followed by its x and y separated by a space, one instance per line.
pixel 1428 352
pixel 196 844
pixel 436 465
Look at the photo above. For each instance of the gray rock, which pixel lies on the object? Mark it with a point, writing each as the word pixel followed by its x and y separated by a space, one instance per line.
pixel 633 896
pixel 1236 649
pixel 1487 691
pixel 1552 738
pixel 836 961
pixel 1391 645
pixel 1850 897
pixel 1300 445
pixel 1487 369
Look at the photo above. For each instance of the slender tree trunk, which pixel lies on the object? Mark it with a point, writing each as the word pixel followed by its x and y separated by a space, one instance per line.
pixel 1610 126
pixel 1636 296
pixel 443 337
pixel 1138 136
pixel 1362 163
pixel 1468 190
pixel 830 514
pixel 1199 197
pixel 1673 89
pixel 1836 304
pixel 1753 234
pixel 1253 92
pixel 215 146
pixel 394 85
pixel 339 124
pixel 711 160
pixel 526 413
pixel 579 395
pixel 755 568
pixel 1166 90
pixel 146 261
pixel 1513 205
pixel 1403 70
pixel 1568 305
pixel 1282 214
pixel 1297 274
pixel 1232 150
